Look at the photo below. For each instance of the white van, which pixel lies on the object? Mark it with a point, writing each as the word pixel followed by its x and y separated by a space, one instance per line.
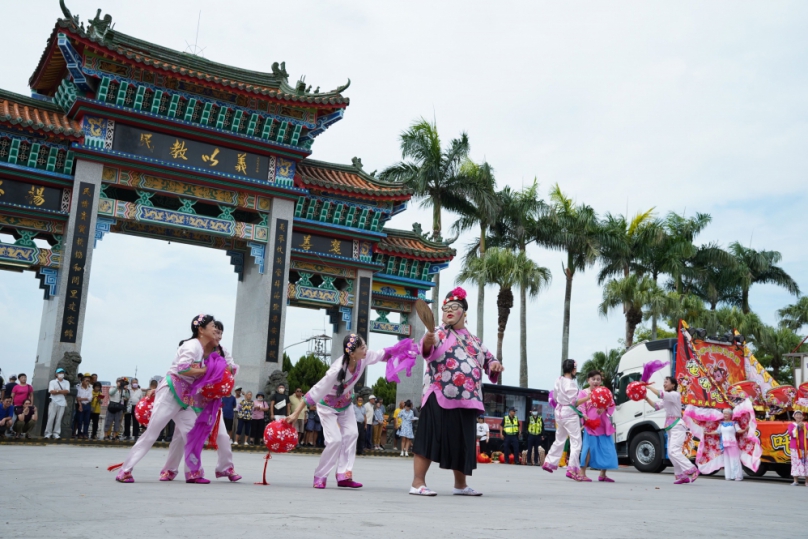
pixel 639 434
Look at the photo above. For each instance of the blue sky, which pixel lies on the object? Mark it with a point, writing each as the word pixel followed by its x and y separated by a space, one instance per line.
pixel 685 106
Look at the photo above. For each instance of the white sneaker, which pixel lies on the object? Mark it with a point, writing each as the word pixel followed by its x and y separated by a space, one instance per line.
pixel 56 436
pixel 406 453
pixel 422 491
pixel 402 453
pixel 468 491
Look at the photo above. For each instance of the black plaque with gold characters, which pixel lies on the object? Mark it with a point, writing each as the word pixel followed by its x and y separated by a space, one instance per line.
pixel 190 153
pixel 363 317
pixel 78 257
pixel 26 194
pixel 278 282
pixel 322 244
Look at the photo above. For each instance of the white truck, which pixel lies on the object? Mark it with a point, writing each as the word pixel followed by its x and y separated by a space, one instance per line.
pixel 639 434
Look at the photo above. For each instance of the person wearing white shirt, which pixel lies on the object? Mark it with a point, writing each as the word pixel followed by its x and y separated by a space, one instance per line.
pixel 129 419
pixel 369 406
pixel 482 434
pixel 57 389
pixel 84 394
pixel 239 398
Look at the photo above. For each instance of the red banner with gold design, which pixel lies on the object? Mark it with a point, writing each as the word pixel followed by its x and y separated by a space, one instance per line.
pixel 704 371
pixel 774 441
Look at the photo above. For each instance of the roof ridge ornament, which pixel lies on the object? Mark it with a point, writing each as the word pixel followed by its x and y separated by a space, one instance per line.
pixel 357 163
pixel 279 70
pixel 68 15
pixel 98 27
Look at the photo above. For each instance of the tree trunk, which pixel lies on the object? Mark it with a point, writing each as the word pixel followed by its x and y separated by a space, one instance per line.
pixel 522 337
pixel 745 301
pixel 565 332
pixel 436 230
pixel 633 319
pixel 481 292
pixel 654 316
pixel 504 306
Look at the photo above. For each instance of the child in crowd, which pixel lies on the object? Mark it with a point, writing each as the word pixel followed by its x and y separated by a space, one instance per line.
pixel 407 416
pixel 798 443
pixel 95 408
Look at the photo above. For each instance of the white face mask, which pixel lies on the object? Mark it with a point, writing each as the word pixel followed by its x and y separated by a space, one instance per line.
pixel 535 413
pixel 60 376
pixel 135 386
pixel 281 390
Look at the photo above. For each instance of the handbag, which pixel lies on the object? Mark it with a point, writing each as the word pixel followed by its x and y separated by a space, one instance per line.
pixel 115 407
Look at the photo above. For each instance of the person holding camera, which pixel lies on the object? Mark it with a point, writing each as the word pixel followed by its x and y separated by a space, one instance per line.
pixel 57 389
pixel 118 399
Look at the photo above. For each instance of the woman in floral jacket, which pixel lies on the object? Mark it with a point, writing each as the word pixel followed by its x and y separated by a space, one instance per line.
pixel 452 398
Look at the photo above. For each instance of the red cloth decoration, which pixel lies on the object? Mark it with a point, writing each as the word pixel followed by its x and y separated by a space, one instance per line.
pixel 221 388
pixel 280 436
pixel 592 423
pixel 781 398
pixel 636 391
pixel 601 397
pixel 143 410
pixel 215 432
pixel 502 458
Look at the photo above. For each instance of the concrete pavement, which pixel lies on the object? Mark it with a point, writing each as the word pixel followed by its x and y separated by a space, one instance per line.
pixel 65 491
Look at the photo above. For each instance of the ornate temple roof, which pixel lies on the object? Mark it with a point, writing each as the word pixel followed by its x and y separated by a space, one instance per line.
pixel 100 37
pixel 347 180
pixel 38 116
pixel 413 245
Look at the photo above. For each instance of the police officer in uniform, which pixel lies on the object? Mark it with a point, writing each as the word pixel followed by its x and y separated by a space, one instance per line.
pixel 534 436
pixel 510 429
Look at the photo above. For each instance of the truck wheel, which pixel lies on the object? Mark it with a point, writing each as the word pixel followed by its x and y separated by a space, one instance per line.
pixel 761 471
pixel 646 452
pixel 783 471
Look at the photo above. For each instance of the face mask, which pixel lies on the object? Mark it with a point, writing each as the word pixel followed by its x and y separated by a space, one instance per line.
pixel 60 376
pixel 135 386
pixel 535 413
pixel 281 390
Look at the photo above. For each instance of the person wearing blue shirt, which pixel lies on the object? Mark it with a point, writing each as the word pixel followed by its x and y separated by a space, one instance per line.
pixel 6 416
pixel 228 408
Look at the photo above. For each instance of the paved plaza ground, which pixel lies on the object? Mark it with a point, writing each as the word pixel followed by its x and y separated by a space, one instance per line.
pixel 65 491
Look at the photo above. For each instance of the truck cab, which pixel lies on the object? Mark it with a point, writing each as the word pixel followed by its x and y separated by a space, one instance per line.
pixel 639 434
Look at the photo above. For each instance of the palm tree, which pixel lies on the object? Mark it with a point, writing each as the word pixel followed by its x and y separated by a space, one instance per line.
pixel 794 316
pixel 575 230
pixel 770 347
pixel 754 267
pixel 506 269
pixel 605 362
pixel 675 248
pixel 632 293
pixel 433 173
pixel 482 210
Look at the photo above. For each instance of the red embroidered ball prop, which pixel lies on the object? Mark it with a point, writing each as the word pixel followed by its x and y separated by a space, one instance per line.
pixel 592 424
pixel 143 410
pixel 280 437
pixel 601 397
pixel 636 391
pixel 220 389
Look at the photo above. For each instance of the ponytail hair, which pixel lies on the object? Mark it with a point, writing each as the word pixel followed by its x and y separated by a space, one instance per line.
pixel 350 343
pixel 567 366
pixel 198 323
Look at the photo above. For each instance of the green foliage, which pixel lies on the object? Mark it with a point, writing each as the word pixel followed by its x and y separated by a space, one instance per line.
pixel 770 345
pixel 644 334
pixel 287 363
pixel 385 390
pixel 606 362
pixel 794 316
pixel 305 373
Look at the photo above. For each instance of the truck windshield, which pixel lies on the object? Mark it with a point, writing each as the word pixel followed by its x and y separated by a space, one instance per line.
pixel 620 394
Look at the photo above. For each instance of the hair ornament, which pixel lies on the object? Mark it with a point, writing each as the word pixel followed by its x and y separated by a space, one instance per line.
pixel 458 294
pixel 353 342
pixel 198 320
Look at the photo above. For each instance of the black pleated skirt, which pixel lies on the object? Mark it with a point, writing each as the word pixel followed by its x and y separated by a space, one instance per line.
pixel 448 437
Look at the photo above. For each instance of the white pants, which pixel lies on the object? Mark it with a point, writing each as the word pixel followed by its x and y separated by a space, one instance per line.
pixel 339 431
pixel 54 424
pixel 176 450
pixel 165 409
pixel 676 440
pixel 732 464
pixel 568 427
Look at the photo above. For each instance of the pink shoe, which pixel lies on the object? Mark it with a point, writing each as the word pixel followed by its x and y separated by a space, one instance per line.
pixel 584 479
pixel 548 467
pixel 605 479
pixel 681 480
pixel 198 480
pixel 319 482
pixel 574 476
pixel 230 474
pixel 167 475
pixel 350 483
pixel 124 477
pixel 694 475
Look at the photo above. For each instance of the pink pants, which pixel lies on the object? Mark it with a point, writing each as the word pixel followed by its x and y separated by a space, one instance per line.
pixel 568 427
pixel 339 431
pixel 176 450
pixel 165 409
pixel 676 440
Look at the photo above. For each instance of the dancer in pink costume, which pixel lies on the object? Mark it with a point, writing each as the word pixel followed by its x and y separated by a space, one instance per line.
pixel 176 449
pixel 332 396
pixel 568 421
pixel 173 396
pixel 671 402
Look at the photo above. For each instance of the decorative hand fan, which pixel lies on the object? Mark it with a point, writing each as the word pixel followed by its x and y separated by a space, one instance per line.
pixel 425 314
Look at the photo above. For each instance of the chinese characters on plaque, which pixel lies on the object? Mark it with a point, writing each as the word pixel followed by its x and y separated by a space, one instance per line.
pixel 180 151
pixel 278 284
pixel 363 317
pixel 321 244
pixel 35 196
pixel 75 265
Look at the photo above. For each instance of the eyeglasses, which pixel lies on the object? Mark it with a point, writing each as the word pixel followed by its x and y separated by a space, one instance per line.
pixel 451 307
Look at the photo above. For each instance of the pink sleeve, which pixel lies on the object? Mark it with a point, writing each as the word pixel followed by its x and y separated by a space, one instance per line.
pixel 443 341
pixel 374 356
pixel 489 359
pixel 319 390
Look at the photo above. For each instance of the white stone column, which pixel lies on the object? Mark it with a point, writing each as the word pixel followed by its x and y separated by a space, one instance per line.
pixel 62 323
pixel 258 335
pixel 363 295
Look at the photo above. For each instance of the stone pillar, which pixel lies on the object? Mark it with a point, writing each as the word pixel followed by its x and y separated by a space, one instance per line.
pixel 343 327
pixel 261 303
pixel 62 323
pixel 363 287
pixel 412 388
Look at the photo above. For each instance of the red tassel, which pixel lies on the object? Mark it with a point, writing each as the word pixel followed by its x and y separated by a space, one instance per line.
pixel 114 467
pixel 266 461
pixel 215 432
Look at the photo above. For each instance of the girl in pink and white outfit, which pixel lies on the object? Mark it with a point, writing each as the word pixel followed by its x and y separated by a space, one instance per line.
pixel 670 400
pixel 567 397
pixel 332 396
pixel 173 397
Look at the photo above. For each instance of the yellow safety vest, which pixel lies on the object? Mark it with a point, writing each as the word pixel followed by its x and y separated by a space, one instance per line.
pixel 511 425
pixel 535 425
